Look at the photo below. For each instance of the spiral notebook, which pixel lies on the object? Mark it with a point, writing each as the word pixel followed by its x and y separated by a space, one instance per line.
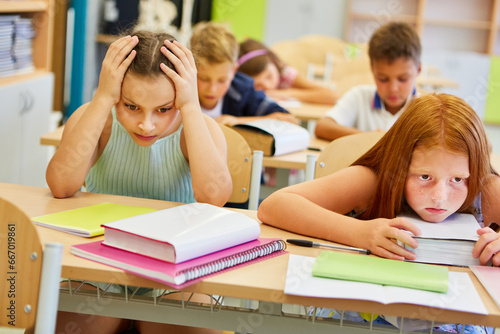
pixel 186 273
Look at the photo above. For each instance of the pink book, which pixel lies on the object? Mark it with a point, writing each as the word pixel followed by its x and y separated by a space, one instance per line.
pixel 186 273
pixel 490 279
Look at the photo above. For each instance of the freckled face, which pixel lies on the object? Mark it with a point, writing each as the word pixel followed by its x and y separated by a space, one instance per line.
pixel 269 78
pixel 395 81
pixel 147 108
pixel 437 183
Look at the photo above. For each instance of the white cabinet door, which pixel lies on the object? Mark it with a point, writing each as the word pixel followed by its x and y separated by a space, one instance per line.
pixel 25 118
pixel 11 130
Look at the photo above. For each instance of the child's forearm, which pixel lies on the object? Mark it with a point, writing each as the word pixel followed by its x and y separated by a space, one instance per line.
pixel 327 128
pixel 322 95
pixel 207 154
pixel 71 162
pixel 295 213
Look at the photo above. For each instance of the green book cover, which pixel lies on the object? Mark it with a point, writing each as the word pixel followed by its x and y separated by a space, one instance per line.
pixel 86 221
pixel 370 269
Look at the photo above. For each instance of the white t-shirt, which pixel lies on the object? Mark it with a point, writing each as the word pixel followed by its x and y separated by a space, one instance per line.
pixel 362 108
pixel 215 112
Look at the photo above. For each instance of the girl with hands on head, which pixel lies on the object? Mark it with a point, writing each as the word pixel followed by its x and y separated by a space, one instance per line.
pixel 143 134
pixel 434 161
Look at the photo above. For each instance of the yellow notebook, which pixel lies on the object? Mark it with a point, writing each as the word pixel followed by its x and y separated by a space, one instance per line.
pixel 87 221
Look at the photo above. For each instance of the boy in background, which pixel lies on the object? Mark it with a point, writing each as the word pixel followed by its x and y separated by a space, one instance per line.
pixel 394 50
pixel 226 95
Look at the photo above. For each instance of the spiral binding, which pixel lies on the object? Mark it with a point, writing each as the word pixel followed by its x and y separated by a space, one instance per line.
pixel 233 260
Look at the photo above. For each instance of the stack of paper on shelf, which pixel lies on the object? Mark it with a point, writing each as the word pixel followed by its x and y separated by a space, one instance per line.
pixel 180 245
pixel 6 40
pixel 22 47
pixel 449 242
pixel 274 137
pixel 87 221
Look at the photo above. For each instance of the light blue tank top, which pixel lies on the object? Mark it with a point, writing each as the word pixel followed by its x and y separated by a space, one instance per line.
pixel 159 171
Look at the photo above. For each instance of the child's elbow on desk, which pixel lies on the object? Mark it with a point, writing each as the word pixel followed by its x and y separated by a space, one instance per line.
pixel 216 195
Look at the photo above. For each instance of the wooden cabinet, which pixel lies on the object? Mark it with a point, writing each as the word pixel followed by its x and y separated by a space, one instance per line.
pixel 457 25
pixel 27 101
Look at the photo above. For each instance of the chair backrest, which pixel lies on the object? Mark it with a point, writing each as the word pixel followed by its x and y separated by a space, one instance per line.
pixel 26 296
pixel 343 151
pixel 245 168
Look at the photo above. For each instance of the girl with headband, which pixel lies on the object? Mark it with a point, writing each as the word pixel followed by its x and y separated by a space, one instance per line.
pixel 277 79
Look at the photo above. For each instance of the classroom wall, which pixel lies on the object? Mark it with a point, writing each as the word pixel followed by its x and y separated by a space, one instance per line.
pixel 303 17
pixel 266 20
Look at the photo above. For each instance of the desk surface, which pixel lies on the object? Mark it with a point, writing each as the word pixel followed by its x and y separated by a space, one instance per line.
pixel 307 111
pixel 261 281
pixel 52 138
pixel 295 160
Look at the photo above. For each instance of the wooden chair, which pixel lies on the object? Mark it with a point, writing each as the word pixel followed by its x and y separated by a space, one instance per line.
pixel 245 168
pixel 30 294
pixel 343 151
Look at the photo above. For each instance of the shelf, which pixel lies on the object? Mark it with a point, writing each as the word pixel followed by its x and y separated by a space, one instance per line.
pixel 400 17
pixel 22 77
pixel 460 25
pixel 22 6
pixel 466 24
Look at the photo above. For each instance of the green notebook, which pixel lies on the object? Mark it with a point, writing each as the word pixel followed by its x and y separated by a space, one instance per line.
pixel 370 269
pixel 87 221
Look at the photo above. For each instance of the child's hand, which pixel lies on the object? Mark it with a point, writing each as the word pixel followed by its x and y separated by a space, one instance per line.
pixel 381 237
pixel 228 120
pixel 487 247
pixel 185 80
pixel 277 95
pixel 283 116
pixel 115 64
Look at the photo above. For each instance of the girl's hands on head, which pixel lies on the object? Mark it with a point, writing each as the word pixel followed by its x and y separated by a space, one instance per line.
pixel 185 80
pixel 114 66
pixel 381 235
pixel 487 247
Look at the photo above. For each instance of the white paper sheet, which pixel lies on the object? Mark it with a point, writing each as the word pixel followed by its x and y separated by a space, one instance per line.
pixel 461 295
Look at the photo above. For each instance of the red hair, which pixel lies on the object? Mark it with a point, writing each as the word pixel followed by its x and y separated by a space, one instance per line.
pixel 429 121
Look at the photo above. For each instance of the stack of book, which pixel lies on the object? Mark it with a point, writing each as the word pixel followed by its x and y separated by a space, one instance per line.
pixel 22 46
pixel 6 40
pixel 16 36
pixel 449 242
pixel 182 245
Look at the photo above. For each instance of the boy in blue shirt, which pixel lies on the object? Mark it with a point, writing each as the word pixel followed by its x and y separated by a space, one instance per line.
pixel 394 50
pixel 226 95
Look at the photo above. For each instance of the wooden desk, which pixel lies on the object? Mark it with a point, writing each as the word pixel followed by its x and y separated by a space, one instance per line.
pixel 307 111
pixel 52 138
pixel 295 160
pixel 263 281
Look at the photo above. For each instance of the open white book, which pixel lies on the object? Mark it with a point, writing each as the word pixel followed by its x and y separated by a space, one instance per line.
pixel 274 137
pixel 449 242
pixel 181 233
